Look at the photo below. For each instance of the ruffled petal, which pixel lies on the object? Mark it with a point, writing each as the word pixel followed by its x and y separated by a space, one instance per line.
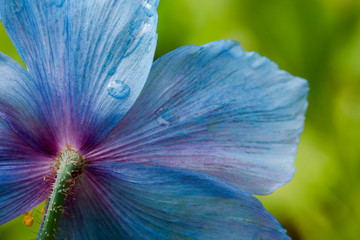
pixel 21 106
pixel 89 57
pixel 22 172
pixel 132 201
pixel 215 109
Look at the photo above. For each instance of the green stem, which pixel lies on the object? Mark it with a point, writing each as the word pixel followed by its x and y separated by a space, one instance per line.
pixel 70 166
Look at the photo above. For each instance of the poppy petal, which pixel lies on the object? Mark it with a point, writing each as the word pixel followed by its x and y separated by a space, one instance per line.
pixel 215 109
pixel 22 183
pixel 90 59
pixel 132 201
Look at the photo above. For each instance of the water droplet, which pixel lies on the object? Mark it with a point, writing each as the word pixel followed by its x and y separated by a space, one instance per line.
pixel 236 52
pixel 256 61
pixel 159 110
pixel 58 3
pixel 148 49
pixel 17 6
pixel 162 121
pixel 146 4
pixel 145 27
pixel 166 117
pixel 118 89
pixel 150 6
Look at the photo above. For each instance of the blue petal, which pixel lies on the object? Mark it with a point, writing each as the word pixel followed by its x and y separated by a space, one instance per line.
pixel 27 145
pixel 21 106
pixel 215 109
pixel 22 169
pixel 131 201
pixel 89 57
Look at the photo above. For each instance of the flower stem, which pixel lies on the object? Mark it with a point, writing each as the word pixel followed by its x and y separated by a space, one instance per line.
pixel 70 166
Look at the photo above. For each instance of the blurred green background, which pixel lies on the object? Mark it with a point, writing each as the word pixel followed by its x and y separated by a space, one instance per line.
pixel 316 39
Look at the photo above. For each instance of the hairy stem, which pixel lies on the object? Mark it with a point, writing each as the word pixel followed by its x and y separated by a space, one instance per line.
pixel 70 166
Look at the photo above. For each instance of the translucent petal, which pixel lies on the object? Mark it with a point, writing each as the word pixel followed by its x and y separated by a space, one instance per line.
pixel 21 106
pixel 22 171
pixel 132 201
pixel 215 109
pixel 90 59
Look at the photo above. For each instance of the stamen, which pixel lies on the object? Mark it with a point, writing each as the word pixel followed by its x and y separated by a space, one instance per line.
pixel 29 217
pixel 28 220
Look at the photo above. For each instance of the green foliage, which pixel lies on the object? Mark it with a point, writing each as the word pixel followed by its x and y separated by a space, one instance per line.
pixel 315 39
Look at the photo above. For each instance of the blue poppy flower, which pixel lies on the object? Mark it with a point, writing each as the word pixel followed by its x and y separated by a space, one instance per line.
pixel 173 149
